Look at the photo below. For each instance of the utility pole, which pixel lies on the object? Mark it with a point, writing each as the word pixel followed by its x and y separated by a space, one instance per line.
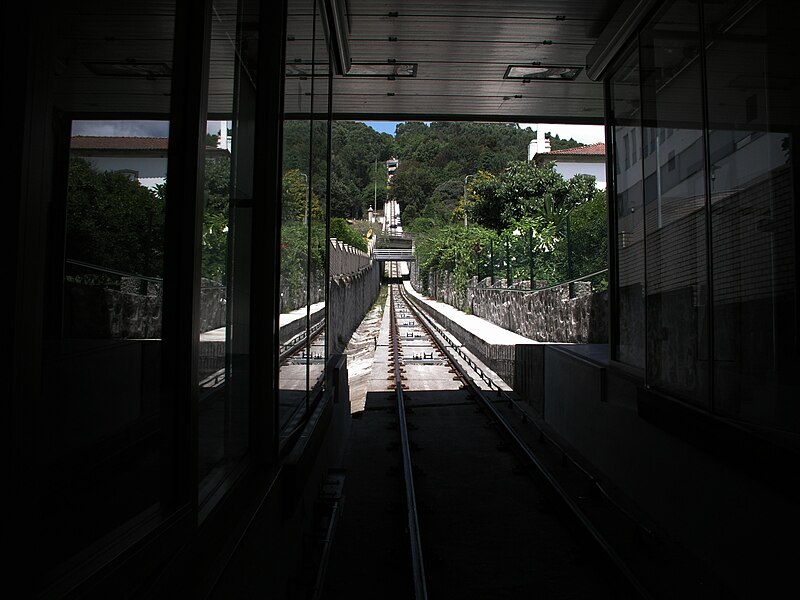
pixel 465 198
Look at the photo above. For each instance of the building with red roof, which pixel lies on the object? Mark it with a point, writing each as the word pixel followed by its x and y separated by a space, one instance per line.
pixel 586 160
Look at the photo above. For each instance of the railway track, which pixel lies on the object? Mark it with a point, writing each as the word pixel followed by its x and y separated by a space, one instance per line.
pixel 484 517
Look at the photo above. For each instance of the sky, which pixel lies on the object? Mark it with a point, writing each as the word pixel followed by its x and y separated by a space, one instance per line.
pixel 587 134
pixel 130 128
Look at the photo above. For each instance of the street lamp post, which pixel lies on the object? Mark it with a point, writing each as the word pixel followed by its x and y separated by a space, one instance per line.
pixel 465 197
pixel 308 199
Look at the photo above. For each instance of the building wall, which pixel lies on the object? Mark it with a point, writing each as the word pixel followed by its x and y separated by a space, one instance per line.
pixel 569 169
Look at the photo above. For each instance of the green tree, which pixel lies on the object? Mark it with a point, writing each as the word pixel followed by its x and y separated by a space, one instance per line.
pixel 587 245
pixel 412 185
pixel 216 195
pixel 526 190
pixel 113 221
pixel 556 143
pixel 464 252
pixel 341 230
pixel 295 198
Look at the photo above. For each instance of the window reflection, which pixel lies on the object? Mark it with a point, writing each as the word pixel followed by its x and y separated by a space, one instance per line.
pixel 674 205
pixel 629 215
pixel 101 426
pixel 303 251
pixel 224 352
pixel 738 214
pixel 753 222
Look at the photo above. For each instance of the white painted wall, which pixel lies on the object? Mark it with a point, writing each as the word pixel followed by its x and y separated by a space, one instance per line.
pixel 570 169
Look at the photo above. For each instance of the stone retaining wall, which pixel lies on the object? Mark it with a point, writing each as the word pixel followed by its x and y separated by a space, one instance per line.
pixel 350 297
pixel 134 311
pixel 546 315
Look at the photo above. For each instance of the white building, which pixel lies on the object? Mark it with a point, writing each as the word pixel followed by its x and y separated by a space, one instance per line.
pixel 583 160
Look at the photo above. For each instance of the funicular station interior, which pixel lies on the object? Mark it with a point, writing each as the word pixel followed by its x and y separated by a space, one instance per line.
pixel 141 468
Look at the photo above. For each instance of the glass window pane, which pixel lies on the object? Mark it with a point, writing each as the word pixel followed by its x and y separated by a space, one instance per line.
pixel 753 219
pixel 101 426
pixel 99 442
pixel 317 351
pixel 629 214
pixel 298 198
pixel 224 353
pixel 675 205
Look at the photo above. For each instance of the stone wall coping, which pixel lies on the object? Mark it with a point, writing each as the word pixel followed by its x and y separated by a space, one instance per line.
pixel 485 330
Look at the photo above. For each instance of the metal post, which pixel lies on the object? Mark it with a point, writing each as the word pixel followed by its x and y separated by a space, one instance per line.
pixel 491 260
pixel 569 262
pixel 530 255
pixel 509 278
pixel 465 202
pixel 465 197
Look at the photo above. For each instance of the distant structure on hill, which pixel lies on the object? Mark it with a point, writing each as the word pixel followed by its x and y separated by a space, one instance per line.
pixel 391 167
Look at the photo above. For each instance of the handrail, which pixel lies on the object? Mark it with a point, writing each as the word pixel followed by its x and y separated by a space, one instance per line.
pixel 549 287
pixel 85 265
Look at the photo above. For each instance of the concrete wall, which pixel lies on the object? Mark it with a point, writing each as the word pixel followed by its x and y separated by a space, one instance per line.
pixel 344 260
pixel 688 488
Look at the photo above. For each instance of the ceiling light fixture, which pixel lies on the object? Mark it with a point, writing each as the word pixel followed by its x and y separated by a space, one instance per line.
pixel 388 69
pixel 542 72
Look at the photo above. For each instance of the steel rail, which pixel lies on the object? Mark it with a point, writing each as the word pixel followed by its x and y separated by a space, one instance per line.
pixel 417 563
pixel 544 473
pixel 526 418
pixel 292 347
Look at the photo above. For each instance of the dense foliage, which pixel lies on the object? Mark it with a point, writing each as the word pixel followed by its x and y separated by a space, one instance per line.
pixel 435 159
pixel 518 213
pixel 341 230
pixel 525 223
pixel 113 222
pixel 577 247
pixel 526 190
pixel 216 196
pixel 358 162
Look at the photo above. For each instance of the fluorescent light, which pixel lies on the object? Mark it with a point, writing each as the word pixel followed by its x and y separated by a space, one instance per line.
pixel 542 72
pixel 382 70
